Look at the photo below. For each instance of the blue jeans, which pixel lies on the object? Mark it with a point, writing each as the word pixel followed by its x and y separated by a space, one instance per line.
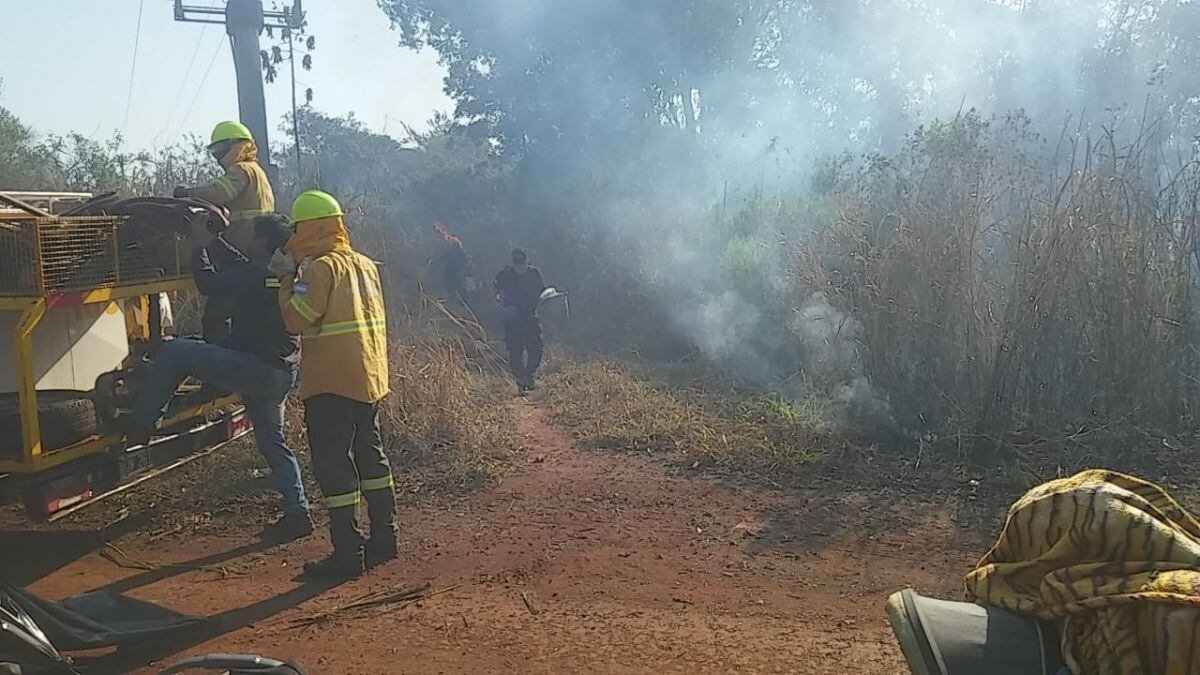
pixel 263 388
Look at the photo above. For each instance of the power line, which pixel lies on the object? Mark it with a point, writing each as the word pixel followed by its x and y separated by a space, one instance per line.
pixel 182 84
pixel 187 73
pixel 200 87
pixel 137 38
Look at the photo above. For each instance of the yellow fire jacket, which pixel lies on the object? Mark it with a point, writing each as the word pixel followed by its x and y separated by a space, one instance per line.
pixel 336 305
pixel 243 189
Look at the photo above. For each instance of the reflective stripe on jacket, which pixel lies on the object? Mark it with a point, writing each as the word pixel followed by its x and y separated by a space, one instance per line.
pixel 336 305
pixel 243 189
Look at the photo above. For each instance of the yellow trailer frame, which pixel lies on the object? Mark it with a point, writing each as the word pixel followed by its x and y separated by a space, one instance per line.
pixel 44 246
pixel 33 458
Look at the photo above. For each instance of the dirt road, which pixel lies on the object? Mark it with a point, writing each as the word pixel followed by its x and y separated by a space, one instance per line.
pixel 579 562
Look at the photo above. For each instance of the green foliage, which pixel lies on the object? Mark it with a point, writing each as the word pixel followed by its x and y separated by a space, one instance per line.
pixel 785 410
pixel 21 166
pixel 605 80
pixel 76 163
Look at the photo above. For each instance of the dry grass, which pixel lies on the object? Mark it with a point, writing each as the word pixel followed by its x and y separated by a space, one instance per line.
pixel 704 423
pixel 447 424
pixel 447 429
pixel 1001 291
pixel 212 495
pixel 607 407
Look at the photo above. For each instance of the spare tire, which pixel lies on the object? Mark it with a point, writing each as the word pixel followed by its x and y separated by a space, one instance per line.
pixel 65 417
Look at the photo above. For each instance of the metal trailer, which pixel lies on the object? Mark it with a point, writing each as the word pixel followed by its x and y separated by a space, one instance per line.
pixel 60 278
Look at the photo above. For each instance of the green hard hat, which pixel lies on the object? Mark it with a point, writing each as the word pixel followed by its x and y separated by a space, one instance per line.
pixel 314 204
pixel 230 130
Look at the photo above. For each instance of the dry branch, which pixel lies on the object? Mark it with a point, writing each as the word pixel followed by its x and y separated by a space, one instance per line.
pixel 403 596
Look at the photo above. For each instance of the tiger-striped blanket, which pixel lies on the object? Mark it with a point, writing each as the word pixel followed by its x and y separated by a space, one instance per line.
pixel 1115 560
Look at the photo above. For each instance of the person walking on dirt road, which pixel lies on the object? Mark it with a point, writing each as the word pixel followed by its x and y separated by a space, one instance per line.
pixel 333 298
pixel 245 191
pixel 518 289
pixel 259 361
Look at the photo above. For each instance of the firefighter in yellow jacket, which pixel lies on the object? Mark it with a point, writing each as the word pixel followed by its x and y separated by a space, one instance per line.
pixel 245 191
pixel 333 298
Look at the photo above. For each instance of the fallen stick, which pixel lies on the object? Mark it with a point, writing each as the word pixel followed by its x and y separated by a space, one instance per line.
pixel 375 599
pixel 405 596
pixel 117 556
pixel 165 533
pixel 528 603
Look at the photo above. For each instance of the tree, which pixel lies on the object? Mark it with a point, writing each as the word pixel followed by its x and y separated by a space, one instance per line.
pixel 606 81
pixel 21 166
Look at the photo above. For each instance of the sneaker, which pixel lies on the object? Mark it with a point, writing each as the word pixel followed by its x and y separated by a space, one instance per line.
pixel 379 551
pixel 529 385
pixel 134 435
pixel 337 567
pixel 290 527
pixel 521 390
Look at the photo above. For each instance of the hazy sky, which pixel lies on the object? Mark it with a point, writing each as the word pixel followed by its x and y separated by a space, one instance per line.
pixel 79 79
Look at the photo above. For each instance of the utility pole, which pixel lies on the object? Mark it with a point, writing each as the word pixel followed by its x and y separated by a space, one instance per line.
pixel 244 21
pixel 295 112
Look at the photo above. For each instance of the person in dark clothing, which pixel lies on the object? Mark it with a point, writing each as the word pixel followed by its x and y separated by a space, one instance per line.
pixel 259 360
pixel 518 289
pixel 455 270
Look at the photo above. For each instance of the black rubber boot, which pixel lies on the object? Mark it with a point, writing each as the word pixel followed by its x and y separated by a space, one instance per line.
pixel 379 551
pixel 381 509
pixel 346 562
pixel 339 566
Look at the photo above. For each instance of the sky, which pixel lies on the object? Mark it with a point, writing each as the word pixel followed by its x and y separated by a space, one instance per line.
pixel 183 79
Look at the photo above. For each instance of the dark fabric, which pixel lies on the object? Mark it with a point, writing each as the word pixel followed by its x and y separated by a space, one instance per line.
pixel 455 265
pixel 248 293
pixel 23 644
pixel 523 338
pixel 100 619
pixel 520 290
pixel 347 448
pixel 215 323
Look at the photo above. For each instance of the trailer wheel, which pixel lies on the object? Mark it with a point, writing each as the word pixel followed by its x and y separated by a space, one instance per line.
pixel 65 417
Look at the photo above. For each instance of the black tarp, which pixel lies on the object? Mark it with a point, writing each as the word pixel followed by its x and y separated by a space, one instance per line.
pixel 98 619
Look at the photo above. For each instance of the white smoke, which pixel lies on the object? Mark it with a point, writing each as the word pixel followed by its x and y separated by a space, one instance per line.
pixel 830 339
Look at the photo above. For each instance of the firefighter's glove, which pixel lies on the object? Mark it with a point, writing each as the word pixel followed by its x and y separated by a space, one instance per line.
pixel 282 264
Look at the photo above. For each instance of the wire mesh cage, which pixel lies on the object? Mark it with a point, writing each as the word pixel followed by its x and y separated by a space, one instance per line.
pixel 41 256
